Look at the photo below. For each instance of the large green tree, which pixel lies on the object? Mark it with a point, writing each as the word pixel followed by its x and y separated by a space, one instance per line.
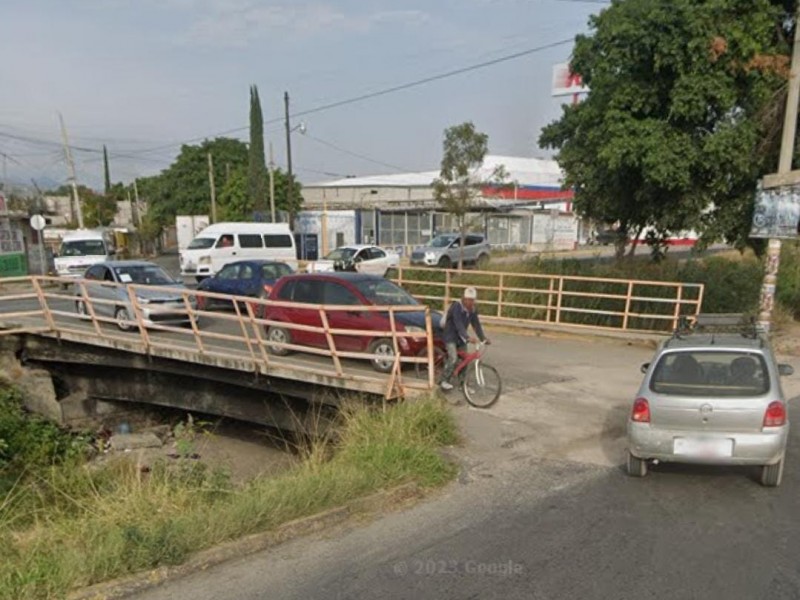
pixel 681 120
pixel 236 203
pixel 182 188
pixel 461 179
pixel 256 163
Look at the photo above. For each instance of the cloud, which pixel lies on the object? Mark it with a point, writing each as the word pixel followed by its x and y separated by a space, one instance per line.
pixel 238 22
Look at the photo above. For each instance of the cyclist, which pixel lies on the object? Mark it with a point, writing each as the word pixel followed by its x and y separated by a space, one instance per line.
pixel 457 321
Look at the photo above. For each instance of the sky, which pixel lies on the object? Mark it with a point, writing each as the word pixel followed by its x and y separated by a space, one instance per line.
pixel 143 76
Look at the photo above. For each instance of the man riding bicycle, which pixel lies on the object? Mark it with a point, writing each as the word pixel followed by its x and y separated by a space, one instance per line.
pixel 458 319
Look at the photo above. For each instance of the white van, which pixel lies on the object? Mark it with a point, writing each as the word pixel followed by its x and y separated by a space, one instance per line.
pixel 82 248
pixel 222 243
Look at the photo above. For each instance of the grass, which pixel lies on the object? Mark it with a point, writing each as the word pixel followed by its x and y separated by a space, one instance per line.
pixel 71 525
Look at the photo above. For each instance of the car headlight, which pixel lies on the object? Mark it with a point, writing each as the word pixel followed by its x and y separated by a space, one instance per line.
pixel 430 255
pixel 204 260
pixel 142 300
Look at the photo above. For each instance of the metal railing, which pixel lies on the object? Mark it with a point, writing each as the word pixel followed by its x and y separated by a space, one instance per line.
pixel 564 300
pixel 100 311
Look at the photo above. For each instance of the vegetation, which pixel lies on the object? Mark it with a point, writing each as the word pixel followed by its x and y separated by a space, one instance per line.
pixel 72 525
pixel 236 204
pixel 683 116
pixel 460 182
pixel 256 171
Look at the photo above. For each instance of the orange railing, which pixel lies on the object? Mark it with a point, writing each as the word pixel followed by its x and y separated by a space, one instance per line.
pixel 55 303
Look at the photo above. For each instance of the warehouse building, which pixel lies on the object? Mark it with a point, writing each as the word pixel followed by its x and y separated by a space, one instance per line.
pixel 529 211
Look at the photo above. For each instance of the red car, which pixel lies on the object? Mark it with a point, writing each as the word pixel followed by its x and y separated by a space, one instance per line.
pixel 347 289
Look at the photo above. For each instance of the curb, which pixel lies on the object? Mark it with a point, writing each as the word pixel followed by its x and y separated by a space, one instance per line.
pixel 205 559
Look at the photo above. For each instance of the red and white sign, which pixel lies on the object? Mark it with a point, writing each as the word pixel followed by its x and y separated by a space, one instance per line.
pixel 567 83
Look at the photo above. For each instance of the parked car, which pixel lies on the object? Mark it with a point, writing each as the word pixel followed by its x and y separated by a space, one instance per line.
pixel 222 243
pixel 107 282
pixel 253 278
pixel 714 398
pixel 444 251
pixel 360 259
pixel 347 290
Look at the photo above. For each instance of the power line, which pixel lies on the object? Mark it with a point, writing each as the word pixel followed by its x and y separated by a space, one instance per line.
pixel 354 154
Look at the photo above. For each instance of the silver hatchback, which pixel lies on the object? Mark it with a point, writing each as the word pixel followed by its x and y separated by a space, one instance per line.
pixel 711 398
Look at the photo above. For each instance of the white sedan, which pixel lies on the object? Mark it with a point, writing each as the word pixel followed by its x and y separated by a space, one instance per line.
pixel 362 259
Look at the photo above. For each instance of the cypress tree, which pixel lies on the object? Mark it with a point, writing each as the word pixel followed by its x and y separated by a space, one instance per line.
pixel 106 171
pixel 257 168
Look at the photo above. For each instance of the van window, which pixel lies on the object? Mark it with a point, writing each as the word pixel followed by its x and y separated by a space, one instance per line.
pixel 308 291
pixel 277 240
pixel 201 243
pixel 83 248
pixel 250 240
pixel 225 241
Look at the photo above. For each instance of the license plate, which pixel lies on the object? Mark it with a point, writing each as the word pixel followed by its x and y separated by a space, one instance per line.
pixel 703 447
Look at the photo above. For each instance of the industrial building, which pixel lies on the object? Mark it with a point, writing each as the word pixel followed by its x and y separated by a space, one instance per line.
pixel 529 211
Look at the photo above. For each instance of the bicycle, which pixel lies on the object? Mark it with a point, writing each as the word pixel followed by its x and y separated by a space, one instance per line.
pixel 480 383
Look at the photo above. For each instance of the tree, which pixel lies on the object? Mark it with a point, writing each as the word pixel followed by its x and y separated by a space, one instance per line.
pixel 256 163
pixel 460 182
pixel 98 210
pixel 106 172
pixel 681 119
pixel 235 202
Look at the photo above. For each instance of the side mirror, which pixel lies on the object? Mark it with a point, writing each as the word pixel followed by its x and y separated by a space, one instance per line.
pixel 645 367
pixel 785 370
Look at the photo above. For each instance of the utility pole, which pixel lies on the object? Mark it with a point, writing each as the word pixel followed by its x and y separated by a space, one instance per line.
pixel 271 184
pixel 289 186
pixel 784 169
pixel 71 164
pixel 138 206
pixel 213 189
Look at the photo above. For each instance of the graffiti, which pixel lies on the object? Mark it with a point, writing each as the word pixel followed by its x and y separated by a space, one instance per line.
pixel 777 213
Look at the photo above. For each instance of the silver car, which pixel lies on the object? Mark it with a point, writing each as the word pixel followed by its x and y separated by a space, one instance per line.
pixel 106 286
pixel 445 250
pixel 711 398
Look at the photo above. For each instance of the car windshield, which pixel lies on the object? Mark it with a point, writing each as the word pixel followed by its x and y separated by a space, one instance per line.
pixel 201 243
pixel 706 373
pixel 341 254
pixel 83 248
pixel 443 241
pixel 275 270
pixel 144 275
pixel 385 293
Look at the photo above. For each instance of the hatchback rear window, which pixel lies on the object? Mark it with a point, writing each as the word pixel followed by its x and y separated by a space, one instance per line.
pixel 711 374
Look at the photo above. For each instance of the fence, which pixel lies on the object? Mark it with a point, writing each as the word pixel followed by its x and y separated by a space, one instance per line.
pixel 151 318
pixel 589 302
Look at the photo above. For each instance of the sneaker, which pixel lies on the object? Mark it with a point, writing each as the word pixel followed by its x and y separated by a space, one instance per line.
pixel 446 386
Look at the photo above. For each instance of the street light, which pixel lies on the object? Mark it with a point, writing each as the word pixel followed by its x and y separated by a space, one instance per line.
pixel 289 129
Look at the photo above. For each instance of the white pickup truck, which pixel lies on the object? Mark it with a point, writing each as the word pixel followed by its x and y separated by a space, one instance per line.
pixel 82 248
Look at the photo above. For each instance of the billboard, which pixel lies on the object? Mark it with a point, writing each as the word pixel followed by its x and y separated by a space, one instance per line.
pixel 777 213
pixel 565 82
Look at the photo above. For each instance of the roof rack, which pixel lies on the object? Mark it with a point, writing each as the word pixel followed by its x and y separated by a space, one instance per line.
pixel 713 323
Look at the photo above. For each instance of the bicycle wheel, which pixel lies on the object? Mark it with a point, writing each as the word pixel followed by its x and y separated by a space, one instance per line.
pixel 439 357
pixel 482 385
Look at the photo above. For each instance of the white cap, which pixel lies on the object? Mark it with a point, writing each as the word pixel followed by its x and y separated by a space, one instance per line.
pixel 470 293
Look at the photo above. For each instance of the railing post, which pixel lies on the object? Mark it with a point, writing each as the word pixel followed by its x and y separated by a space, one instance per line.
pixel 550 290
pixel 627 305
pixel 257 331
pixel 48 316
pixel 137 313
pixel 244 330
pixel 559 298
pixel 429 333
pixel 400 275
pixel 331 346
pixel 90 307
pixel 394 378
pixel 193 322
pixel 678 303
pixel 699 306
pixel 500 295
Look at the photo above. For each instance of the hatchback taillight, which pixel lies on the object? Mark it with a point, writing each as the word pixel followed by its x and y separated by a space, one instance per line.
pixel 641 411
pixel 775 415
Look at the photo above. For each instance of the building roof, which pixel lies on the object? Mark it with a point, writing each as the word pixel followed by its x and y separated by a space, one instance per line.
pixel 524 172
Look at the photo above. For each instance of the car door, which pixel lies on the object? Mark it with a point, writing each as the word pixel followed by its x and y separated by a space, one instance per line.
pixel 364 261
pixel 251 246
pixel 307 291
pixel 337 294
pixel 225 281
pixel 93 286
pixel 248 280
pixel 378 262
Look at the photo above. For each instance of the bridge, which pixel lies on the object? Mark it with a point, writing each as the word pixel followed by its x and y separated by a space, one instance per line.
pixel 220 362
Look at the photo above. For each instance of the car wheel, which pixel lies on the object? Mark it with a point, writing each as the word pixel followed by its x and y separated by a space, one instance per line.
pixel 445 262
pixel 385 350
pixel 637 467
pixel 278 335
pixel 482 262
pixel 771 475
pixel 123 317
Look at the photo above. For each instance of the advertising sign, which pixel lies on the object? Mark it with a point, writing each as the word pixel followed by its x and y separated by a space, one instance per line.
pixel 777 213
pixel 565 82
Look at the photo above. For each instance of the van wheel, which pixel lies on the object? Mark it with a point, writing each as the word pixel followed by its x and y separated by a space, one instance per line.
pixel 637 467
pixel 445 262
pixel 385 350
pixel 771 475
pixel 278 335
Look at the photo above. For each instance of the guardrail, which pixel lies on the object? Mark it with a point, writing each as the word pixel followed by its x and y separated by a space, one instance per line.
pixel 80 310
pixel 572 301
